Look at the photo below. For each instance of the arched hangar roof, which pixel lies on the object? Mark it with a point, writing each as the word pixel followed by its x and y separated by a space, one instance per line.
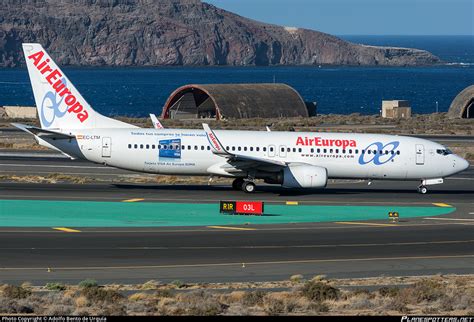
pixel 463 104
pixel 237 100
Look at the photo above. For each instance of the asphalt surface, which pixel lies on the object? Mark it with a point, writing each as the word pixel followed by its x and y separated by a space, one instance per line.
pixel 420 246
pixel 220 255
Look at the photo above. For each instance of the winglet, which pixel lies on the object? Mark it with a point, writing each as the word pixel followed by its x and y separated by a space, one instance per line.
pixel 216 145
pixel 156 124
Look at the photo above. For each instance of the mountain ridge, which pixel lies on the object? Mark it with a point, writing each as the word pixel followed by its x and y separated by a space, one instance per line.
pixel 175 32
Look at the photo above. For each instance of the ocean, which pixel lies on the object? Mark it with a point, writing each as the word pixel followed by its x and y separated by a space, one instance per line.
pixel 136 92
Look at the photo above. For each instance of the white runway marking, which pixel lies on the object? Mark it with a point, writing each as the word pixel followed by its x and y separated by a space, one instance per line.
pixel 459 178
pixel 239 264
pixel 451 219
pixel 65 173
pixel 33 155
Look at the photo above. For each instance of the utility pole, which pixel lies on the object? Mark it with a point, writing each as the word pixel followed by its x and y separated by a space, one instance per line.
pixel 436 106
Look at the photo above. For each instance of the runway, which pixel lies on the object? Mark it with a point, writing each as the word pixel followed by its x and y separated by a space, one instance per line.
pixel 220 253
pixel 208 254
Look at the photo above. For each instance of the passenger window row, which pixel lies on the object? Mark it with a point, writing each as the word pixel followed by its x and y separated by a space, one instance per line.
pixel 258 149
pixel 168 147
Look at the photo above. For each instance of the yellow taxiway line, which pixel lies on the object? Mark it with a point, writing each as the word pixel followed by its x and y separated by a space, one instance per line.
pixel 67 230
pixel 133 200
pixel 440 204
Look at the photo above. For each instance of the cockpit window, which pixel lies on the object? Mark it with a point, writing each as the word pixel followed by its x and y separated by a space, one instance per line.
pixel 444 151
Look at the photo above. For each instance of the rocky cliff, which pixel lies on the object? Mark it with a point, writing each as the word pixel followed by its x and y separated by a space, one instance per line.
pixel 173 32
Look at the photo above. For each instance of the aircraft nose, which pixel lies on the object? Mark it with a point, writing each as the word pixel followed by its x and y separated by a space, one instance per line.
pixel 460 164
pixel 463 164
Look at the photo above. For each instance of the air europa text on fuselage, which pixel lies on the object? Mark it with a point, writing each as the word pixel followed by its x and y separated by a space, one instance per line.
pixel 317 141
pixel 53 77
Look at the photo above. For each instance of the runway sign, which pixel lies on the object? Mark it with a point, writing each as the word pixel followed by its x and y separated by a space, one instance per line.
pixel 242 207
pixel 393 216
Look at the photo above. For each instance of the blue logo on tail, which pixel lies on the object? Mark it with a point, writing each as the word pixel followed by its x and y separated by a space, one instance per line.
pixel 50 102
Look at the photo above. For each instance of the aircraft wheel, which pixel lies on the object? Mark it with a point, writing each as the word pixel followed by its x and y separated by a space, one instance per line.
pixel 237 184
pixel 248 187
pixel 423 190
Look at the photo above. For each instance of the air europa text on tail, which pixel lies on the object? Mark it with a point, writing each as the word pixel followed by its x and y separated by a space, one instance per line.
pixel 53 77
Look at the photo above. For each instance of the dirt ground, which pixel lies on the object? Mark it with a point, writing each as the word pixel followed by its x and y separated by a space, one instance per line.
pixel 436 123
pixel 428 295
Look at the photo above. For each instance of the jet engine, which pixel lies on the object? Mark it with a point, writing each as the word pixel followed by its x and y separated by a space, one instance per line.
pixel 304 176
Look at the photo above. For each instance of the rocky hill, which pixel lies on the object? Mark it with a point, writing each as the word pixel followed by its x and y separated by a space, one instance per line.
pixel 174 32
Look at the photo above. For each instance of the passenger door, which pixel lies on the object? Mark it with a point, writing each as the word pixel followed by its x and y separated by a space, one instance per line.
pixel 420 154
pixel 106 147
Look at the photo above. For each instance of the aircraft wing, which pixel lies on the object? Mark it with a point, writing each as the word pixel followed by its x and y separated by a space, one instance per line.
pixel 242 161
pixel 42 133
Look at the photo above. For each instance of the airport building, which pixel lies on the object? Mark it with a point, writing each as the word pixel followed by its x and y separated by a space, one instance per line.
pixel 396 109
pixel 18 112
pixel 222 101
pixel 463 104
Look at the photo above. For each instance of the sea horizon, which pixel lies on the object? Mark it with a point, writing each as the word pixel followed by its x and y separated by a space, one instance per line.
pixel 136 91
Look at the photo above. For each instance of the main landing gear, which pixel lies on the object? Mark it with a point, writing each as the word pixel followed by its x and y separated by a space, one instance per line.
pixel 244 185
pixel 248 187
pixel 237 184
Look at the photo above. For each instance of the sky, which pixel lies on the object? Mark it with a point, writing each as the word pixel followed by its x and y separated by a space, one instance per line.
pixel 361 17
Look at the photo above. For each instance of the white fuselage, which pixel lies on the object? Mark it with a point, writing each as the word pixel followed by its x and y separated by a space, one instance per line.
pixel 295 160
pixel 188 152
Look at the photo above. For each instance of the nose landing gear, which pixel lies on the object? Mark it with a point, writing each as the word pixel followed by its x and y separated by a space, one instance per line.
pixel 428 182
pixel 422 189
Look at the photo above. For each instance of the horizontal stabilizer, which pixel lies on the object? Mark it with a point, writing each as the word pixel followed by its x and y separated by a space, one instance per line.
pixel 42 133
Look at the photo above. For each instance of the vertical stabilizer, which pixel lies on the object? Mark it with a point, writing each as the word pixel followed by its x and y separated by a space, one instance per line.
pixel 60 106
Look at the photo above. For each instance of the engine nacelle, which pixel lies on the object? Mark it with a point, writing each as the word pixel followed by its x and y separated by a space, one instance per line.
pixel 304 176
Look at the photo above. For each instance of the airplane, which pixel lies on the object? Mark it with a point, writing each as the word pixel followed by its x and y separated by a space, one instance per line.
pixel 290 159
